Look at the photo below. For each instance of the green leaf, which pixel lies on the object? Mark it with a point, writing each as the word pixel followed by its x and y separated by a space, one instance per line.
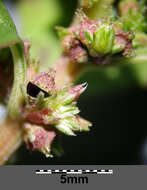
pixel 10 38
pixel 8 33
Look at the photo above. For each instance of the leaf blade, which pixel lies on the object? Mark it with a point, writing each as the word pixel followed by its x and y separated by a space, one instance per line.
pixel 8 33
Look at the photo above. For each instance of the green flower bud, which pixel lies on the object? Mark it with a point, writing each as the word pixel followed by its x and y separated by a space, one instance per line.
pixel 75 123
pixel 88 35
pixel 103 39
pixel 64 127
pixel 133 15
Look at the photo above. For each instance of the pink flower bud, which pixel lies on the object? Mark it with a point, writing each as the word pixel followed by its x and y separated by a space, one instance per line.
pixel 78 90
pixel 89 25
pixel 37 138
pixel 78 54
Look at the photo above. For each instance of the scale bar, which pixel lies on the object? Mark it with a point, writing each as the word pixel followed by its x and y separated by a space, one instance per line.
pixel 102 171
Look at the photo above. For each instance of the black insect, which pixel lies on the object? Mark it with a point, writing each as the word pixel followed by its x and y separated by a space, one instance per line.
pixel 34 90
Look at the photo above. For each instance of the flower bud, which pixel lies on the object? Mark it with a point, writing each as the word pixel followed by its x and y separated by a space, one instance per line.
pixel 37 138
pixel 34 115
pixel 133 15
pixel 64 127
pixel 104 39
pixel 82 123
pixel 78 54
pixel 122 42
pixel 72 94
pixel 76 123
pixel 86 30
pixel 77 90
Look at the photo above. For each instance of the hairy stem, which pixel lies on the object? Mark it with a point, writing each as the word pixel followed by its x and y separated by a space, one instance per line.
pixel 16 97
pixel 10 138
pixel 10 130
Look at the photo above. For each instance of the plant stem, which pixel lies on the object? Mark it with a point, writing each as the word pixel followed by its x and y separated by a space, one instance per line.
pixel 10 130
pixel 10 138
pixel 16 97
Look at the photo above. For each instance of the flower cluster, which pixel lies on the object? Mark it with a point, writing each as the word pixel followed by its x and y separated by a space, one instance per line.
pixel 50 107
pixel 95 39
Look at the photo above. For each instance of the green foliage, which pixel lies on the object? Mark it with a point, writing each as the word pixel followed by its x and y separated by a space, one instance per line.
pixel 8 33
pixel 38 28
pixel 10 38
